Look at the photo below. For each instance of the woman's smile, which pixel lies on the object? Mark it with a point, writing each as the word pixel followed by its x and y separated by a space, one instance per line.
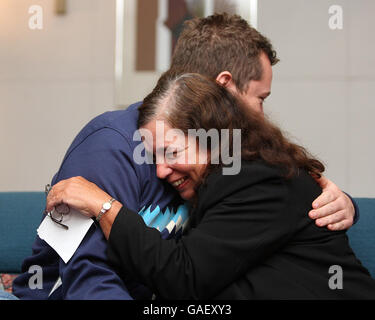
pixel 181 183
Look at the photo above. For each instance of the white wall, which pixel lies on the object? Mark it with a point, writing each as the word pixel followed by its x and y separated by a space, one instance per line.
pixel 324 87
pixel 133 85
pixel 52 81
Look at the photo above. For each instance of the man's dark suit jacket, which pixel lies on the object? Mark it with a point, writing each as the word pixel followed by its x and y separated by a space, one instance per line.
pixel 249 237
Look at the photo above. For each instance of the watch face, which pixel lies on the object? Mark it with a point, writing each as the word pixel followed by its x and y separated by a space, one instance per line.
pixel 106 206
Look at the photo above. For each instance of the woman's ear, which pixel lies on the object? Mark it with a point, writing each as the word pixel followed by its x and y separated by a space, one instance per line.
pixel 225 79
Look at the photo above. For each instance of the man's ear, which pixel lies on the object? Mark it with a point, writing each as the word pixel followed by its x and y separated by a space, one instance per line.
pixel 225 79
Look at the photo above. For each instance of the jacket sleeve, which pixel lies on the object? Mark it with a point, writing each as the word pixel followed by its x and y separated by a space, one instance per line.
pixel 244 222
pixel 45 257
pixel 356 209
pixel 104 157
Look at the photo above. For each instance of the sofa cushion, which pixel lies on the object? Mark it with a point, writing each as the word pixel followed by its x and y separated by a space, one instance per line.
pixel 20 216
pixel 362 234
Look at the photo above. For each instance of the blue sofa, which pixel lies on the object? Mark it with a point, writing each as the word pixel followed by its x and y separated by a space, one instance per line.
pixel 21 213
pixel 20 216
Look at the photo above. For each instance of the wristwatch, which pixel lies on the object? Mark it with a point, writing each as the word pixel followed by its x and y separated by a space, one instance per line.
pixel 106 206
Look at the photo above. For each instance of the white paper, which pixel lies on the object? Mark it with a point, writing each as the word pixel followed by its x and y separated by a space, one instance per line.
pixel 65 242
pixel 58 283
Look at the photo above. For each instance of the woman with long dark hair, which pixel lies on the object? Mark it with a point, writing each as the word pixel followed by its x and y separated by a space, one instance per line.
pixel 249 235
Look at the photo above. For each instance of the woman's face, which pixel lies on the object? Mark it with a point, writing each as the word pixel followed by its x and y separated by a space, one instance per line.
pixel 177 157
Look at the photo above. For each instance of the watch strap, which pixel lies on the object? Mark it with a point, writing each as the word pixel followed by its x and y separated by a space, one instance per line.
pixel 103 210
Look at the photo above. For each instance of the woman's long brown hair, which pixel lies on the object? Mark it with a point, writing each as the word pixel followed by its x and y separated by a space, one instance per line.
pixel 192 101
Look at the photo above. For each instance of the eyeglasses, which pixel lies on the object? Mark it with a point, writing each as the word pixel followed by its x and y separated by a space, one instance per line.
pixel 58 213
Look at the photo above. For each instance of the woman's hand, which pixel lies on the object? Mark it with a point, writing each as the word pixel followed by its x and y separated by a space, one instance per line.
pixel 77 193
